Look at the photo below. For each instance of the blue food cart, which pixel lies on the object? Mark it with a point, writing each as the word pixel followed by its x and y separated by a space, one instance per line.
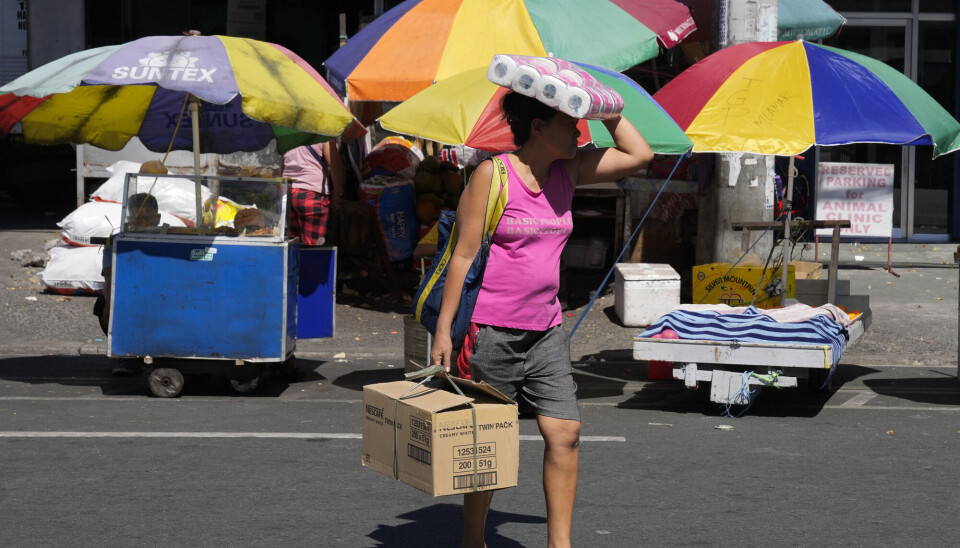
pixel 228 294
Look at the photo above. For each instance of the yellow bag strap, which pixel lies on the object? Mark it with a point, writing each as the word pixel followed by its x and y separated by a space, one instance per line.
pixel 496 204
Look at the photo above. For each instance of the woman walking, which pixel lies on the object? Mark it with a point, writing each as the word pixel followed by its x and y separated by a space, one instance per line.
pixel 516 342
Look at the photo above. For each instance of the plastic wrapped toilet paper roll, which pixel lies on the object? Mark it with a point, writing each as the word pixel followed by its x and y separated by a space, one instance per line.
pixel 593 102
pixel 525 77
pixel 551 88
pixel 530 70
pixel 548 89
pixel 576 77
pixel 503 69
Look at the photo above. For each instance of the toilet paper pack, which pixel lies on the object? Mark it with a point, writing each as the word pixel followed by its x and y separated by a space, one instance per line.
pixel 557 83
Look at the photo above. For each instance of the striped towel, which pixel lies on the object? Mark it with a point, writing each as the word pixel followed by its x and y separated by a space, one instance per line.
pixel 754 327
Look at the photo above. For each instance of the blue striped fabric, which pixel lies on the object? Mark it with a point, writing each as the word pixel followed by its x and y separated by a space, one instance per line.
pixel 753 327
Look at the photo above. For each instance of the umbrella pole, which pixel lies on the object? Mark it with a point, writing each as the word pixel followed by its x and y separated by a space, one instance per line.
pixel 787 206
pixel 195 127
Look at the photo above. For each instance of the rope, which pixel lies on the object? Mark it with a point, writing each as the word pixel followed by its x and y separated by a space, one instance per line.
pixel 427 373
pixel 745 253
pixel 186 99
pixel 626 246
pixel 746 393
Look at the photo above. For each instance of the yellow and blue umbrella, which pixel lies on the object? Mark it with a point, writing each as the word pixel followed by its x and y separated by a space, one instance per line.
pixel 423 41
pixel 781 98
pixel 465 110
pixel 248 93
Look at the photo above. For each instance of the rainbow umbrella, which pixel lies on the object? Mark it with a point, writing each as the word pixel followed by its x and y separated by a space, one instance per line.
pixel 424 41
pixel 784 97
pixel 241 94
pixel 465 110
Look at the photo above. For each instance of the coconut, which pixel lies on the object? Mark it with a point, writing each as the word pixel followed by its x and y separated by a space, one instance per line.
pixel 153 166
pixel 430 163
pixel 428 208
pixel 425 182
pixel 452 181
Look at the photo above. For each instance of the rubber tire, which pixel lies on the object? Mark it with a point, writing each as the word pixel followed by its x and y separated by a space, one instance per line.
pixel 165 382
pixel 816 379
pixel 245 386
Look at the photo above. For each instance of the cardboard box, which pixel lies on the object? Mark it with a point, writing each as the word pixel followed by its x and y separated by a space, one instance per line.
pixel 432 426
pixel 738 285
pixel 644 292
pixel 807 270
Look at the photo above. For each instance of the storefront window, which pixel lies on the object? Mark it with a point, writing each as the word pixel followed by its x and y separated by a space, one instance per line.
pixel 935 177
pixel 938 6
pixel 884 44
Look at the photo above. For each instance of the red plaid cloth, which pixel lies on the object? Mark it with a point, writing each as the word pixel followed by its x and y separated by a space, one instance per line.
pixel 309 214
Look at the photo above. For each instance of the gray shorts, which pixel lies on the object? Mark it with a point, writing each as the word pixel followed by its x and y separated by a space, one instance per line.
pixel 531 367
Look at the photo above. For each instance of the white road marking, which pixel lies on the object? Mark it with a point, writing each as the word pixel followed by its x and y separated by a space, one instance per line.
pixel 238 435
pixel 858 400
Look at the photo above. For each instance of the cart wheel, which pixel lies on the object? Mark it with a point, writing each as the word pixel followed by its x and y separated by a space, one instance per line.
pixel 816 380
pixel 288 371
pixel 165 382
pixel 245 386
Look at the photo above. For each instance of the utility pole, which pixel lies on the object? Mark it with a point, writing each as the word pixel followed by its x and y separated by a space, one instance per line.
pixel 742 189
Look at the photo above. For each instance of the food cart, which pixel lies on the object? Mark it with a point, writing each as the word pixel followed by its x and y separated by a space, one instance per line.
pixel 216 297
pixel 735 370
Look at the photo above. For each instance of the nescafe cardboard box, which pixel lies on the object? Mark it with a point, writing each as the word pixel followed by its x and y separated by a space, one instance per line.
pixel 430 430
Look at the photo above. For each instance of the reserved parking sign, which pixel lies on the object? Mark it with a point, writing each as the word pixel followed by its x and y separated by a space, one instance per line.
pixel 860 193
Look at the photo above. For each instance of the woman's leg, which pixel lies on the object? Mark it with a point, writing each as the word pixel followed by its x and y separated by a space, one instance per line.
pixel 561 458
pixel 475 508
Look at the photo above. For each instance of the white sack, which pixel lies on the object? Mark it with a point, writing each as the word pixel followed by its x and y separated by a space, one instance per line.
pixel 74 270
pixel 175 196
pixel 99 220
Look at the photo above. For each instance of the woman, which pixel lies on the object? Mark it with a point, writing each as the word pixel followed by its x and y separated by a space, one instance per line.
pixel 518 343
pixel 317 174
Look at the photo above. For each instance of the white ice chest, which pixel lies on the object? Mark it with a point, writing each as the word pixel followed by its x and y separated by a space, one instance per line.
pixel 644 292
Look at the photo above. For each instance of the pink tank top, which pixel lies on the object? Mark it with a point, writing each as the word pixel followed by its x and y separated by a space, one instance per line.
pixel 522 277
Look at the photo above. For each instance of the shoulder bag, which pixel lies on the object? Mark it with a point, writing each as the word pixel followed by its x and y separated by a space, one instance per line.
pixel 426 302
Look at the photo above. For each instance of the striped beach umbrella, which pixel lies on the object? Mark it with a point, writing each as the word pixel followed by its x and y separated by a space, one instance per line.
pixel 784 97
pixel 247 93
pixel 465 110
pixel 424 41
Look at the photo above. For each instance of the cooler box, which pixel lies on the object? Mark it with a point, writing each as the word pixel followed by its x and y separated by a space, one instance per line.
pixel 644 292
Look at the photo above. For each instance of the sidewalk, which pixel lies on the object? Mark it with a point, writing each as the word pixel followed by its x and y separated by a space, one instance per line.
pixel 914 315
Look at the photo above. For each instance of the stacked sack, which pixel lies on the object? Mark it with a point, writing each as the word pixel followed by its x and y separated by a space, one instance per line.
pixel 388 186
pixel 556 83
pixel 76 262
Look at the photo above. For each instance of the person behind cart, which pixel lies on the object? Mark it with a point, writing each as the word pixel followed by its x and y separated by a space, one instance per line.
pixel 145 213
pixel 317 174
pixel 517 339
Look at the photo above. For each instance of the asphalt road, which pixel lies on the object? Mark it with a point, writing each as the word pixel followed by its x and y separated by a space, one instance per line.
pixel 89 459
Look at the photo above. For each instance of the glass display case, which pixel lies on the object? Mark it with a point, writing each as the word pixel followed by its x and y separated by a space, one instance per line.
pixel 207 206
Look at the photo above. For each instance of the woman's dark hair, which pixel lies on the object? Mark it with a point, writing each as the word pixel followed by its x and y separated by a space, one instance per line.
pixel 520 111
pixel 141 200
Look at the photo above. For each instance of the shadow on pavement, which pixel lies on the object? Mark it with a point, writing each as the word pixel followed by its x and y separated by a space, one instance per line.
pixel 440 524
pixel 356 380
pixel 938 389
pixel 802 401
pixel 97 371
